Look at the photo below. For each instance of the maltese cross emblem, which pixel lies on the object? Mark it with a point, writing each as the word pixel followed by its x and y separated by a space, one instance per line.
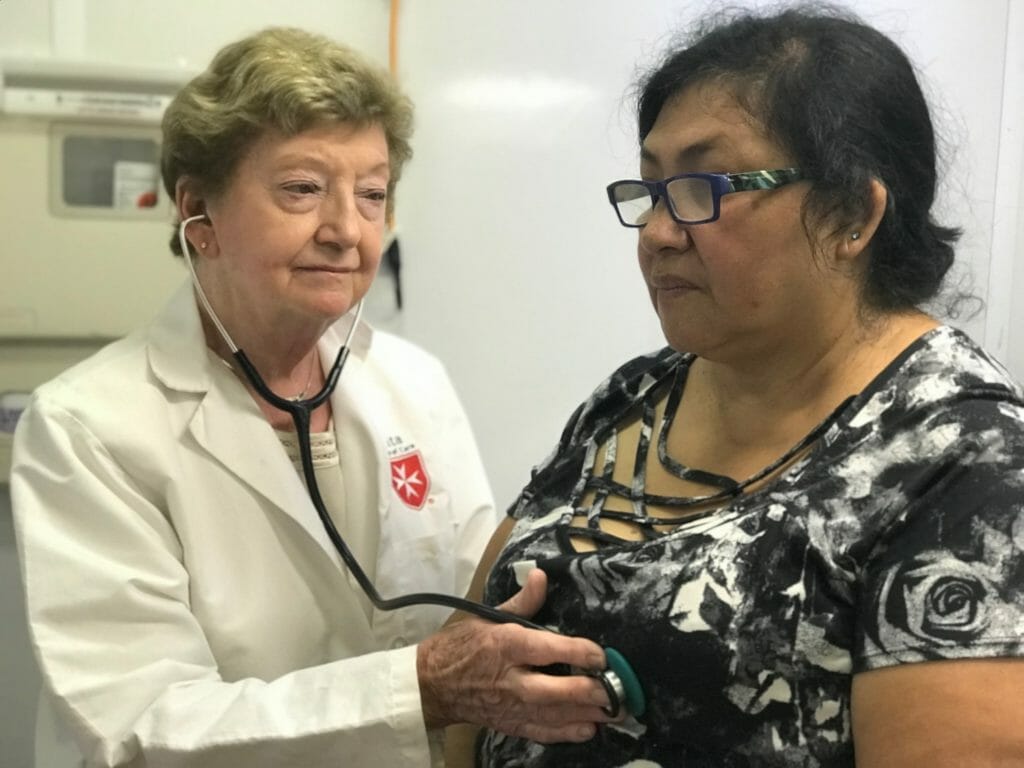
pixel 410 480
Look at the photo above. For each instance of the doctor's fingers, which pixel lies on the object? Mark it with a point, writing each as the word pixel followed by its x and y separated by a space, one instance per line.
pixel 547 730
pixel 472 671
pixel 537 648
pixel 564 697
pixel 496 647
pixel 540 707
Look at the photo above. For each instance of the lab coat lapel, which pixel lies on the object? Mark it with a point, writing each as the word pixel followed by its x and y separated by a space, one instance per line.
pixel 225 421
pixel 359 396
pixel 238 436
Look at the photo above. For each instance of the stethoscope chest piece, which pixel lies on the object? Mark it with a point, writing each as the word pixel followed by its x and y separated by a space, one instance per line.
pixel 622 685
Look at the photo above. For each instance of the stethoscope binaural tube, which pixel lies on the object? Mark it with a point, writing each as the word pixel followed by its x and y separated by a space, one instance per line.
pixel 619 680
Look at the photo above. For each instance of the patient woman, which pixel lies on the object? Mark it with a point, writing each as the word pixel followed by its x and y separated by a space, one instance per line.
pixel 802 522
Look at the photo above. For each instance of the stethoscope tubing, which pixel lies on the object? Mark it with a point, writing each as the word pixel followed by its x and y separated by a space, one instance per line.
pixel 619 690
pixel 300 412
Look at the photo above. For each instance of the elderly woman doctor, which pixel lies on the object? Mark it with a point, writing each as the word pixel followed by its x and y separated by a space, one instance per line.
pixel 185 603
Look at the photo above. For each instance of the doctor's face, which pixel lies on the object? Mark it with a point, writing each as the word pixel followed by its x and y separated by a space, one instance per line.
pixel 297 233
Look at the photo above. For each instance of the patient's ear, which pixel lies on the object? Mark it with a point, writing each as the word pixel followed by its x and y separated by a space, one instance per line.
pixel 855 239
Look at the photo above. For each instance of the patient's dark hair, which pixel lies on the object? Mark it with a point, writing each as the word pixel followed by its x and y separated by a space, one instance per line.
pixel 844 101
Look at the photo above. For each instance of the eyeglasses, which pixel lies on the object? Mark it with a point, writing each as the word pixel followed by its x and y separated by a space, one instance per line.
pixel 693 198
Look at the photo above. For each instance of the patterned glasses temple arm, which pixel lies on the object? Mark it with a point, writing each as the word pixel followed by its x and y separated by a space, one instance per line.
pixel 751 180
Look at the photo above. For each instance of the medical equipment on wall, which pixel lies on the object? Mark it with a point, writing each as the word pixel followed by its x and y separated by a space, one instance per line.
pixel 619 680
pixel 85 220
pixel 103 122
pixel 81 192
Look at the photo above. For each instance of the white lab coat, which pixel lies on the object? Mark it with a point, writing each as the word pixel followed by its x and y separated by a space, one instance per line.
pixel 185 603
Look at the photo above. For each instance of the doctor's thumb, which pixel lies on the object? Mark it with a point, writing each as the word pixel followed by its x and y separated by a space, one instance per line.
pixel 531 597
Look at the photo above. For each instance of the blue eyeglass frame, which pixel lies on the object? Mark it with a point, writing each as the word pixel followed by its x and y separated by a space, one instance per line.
pixel 721 184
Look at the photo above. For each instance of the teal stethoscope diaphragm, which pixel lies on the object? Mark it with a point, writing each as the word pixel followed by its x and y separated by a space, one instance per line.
pixel 631 693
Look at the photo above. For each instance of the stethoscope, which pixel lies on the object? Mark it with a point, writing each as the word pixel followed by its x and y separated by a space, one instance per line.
pixel 619 680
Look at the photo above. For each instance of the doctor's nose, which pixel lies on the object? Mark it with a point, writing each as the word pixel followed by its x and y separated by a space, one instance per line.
pixel 339 222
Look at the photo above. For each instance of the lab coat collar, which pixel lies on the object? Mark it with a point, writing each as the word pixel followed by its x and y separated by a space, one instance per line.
pixel 177 345
pixel 227 422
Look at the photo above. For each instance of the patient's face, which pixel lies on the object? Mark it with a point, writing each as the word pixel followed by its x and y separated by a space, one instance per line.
pixel 747 281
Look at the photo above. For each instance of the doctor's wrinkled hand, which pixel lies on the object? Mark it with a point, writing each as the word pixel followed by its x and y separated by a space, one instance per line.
pixel 473 671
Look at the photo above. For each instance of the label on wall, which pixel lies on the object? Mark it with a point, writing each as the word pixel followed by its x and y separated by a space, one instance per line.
pixel 135 184
pixel 68 103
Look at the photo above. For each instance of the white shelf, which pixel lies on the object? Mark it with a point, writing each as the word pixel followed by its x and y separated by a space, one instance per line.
pixel 86 90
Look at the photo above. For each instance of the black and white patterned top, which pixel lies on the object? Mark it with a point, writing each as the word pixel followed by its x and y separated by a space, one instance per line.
pixel 897 537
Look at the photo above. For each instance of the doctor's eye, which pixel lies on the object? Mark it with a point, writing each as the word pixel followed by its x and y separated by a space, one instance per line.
pixel 302 188
pixel 375 195
pixel 372 203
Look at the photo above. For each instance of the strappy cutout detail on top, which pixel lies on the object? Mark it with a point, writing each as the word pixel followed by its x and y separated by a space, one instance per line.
pixel 600 504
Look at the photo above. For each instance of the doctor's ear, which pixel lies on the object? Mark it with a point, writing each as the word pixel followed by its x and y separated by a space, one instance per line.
pixel 188 199
pixel 191 208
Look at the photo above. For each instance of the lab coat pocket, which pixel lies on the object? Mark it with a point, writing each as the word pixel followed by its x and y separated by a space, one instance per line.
pixel 418 555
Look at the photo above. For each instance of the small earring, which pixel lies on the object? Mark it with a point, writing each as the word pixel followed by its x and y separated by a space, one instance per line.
pixel 854 236
pixel 203 245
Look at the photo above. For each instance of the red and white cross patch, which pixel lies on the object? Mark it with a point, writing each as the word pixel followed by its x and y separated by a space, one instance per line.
pixel 410 480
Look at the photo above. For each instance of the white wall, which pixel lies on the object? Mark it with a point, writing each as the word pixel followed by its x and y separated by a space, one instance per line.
pixel 1004 332
pixel 516 272
pixel 1014 285
pixel 185 34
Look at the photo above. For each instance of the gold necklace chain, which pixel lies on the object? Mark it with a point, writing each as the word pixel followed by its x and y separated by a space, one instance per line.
pixel 293 398
pixel 309 380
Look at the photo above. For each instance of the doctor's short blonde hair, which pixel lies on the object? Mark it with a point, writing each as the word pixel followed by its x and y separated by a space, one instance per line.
pixel 282 79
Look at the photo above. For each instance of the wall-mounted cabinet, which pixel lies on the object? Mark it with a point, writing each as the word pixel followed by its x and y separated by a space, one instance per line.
pixel 83 252
pixel 84 249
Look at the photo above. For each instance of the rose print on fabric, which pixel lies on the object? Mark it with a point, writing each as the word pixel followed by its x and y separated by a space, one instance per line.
pixel 932 599
pixel 937 603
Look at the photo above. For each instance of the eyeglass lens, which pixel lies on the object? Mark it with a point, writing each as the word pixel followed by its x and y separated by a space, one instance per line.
pixel 692 199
